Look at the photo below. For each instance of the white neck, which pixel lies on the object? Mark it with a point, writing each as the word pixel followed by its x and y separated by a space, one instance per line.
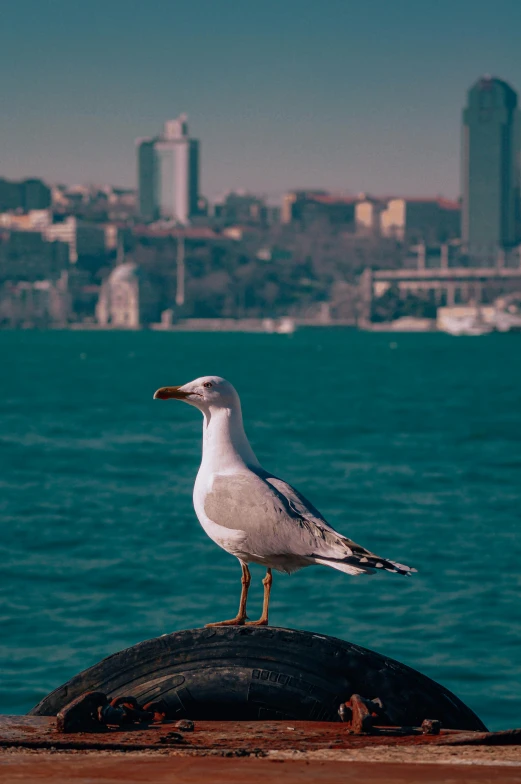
pixel 225 445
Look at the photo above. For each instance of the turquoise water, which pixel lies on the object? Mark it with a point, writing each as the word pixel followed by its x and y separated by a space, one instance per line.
pixel 409 444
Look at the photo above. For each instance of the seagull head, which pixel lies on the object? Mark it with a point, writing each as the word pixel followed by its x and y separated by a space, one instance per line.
pixel 207 392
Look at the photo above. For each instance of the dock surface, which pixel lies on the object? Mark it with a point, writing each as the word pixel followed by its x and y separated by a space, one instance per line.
pixel 31 750
pixel 137 767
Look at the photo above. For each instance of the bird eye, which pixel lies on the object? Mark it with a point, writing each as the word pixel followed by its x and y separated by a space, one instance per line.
pixel 207 384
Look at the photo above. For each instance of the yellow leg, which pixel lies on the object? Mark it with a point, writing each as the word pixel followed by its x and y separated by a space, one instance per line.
pixel 263 620
pixel 241 613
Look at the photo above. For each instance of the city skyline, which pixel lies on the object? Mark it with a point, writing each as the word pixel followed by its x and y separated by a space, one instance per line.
pixel 351 99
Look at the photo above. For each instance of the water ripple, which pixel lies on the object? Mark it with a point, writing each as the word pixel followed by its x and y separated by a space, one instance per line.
pixel 413 452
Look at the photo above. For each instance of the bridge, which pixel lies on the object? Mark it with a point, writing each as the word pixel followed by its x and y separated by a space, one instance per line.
pixel 447 285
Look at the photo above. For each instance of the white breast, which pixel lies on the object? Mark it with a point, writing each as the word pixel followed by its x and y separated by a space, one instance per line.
pixel 229 539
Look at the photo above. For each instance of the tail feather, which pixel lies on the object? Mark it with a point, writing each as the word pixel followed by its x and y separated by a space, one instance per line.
pixel 367 563
pixel 383 563
pixel 347 565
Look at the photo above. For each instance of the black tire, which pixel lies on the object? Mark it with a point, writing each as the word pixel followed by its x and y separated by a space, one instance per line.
pixel 249 673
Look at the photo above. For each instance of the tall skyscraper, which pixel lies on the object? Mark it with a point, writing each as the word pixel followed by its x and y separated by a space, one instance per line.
pixel 168 173
pixel 491 167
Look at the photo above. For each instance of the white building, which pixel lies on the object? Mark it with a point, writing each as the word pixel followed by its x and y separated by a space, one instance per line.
pixel 168 174
pixel 127 299
pixel 368 214
pixel 118 304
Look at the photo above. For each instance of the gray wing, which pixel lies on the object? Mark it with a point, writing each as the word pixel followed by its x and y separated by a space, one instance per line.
pixel 305 509
pixel 276 519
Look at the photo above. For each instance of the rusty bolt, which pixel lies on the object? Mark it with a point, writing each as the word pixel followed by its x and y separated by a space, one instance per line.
pixel 185 725
pixel 345 712
pixel 359 713
pixel 171 737
pixel 158 709
pixel 362 720
pixel 431 727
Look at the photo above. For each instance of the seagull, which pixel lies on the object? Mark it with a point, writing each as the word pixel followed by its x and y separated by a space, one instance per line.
pixel 253 514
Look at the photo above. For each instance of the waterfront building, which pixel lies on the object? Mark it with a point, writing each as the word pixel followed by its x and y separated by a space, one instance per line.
pixel 127 299
pixel 490 168
pixel 39 303
pixel 168 174
pixel 421 219
pixel 118 304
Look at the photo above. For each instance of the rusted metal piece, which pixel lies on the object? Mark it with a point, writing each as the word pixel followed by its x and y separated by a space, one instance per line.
pixel 345 712
pixel 124 710
pixel 158 709
pixel 431 727
pixel 364 716
pixel 93 712
pixel 185 725
pixel 223 738
pixel 83 713
pixel 362 719
pixel 360 714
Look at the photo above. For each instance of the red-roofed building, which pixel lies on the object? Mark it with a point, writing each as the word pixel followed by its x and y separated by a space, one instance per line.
pixel 429 220
pixel 307 207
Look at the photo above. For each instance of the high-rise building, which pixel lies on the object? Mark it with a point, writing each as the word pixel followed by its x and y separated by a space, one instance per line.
pixel 147 179
pixel 490 171
pixel 168 174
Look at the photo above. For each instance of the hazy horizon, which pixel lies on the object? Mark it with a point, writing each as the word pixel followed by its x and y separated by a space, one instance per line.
pixel 337 96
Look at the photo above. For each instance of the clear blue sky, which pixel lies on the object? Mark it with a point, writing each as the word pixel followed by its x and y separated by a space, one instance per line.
pixel 341 94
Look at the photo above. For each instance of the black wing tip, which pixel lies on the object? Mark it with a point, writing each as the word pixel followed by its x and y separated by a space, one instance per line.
pixel 406 571
pixel 388 566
